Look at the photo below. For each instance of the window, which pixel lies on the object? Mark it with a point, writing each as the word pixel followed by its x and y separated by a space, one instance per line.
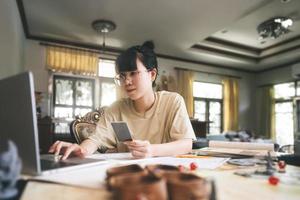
pixel 284 123
pixel 75 96
pixel 208 105
pixel 284 90
pixel 72 96
pixel 108 92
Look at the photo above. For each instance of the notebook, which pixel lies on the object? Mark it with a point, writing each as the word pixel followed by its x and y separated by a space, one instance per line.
pixel 238 148
pixel 19 124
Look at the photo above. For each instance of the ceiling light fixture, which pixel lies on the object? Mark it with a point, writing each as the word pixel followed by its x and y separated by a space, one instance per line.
pixel 285 1
pixel 103 27
pixel 274 27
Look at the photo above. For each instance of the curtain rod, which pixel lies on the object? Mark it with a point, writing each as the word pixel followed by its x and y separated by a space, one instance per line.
pixel 76 48
pixel 232 76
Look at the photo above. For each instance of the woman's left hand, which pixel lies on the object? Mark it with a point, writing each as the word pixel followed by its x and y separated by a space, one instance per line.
pixel 140 148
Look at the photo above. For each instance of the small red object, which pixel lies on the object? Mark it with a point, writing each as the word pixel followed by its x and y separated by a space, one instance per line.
pixel 273 180
pixel 281 164
pixel 181 168
pixel 193 166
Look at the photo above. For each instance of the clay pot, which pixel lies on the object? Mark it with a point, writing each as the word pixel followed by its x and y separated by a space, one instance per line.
pixel 158 182
pixel 156 168
pixel 134 168
pixel 163 171
pixel 122 170
pixel 136 186
pixel 188 186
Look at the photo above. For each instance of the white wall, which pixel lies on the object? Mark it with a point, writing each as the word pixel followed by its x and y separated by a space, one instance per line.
pixel 275 76
pixel 35 61
pixel 11 39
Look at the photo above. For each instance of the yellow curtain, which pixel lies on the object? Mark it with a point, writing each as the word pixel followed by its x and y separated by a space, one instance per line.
pixel 63 59
pixel 231 104
pixel 267 113
pixel 185 88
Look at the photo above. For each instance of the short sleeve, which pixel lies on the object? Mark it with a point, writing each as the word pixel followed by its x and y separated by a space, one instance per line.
pixel 104 136
pixel 181 127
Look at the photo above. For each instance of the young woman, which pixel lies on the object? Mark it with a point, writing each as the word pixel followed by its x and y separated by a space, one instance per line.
pixel 158 121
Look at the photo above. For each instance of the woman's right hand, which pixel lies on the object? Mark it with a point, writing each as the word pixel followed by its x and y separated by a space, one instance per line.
pixel 67 148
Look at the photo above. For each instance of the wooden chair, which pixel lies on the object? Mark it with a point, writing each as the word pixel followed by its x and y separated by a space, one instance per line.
pixel 82 127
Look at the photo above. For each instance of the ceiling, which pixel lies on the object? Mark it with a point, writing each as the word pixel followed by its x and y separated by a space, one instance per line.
pixel 213 32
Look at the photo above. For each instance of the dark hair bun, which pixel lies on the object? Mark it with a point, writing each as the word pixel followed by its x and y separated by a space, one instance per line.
pixel 149 44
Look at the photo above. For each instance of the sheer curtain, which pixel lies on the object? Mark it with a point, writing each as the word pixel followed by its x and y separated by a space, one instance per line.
pixel 64 59
pixel 185 88
pixel 267 112
pixel 231 104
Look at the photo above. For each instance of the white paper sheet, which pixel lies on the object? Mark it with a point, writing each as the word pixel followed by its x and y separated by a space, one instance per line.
pixel 202 163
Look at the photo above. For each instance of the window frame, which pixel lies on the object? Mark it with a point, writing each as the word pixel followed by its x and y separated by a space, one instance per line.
pixel 289 99
pixel 207 101
pixel 101 81
pixel 97 94
pixel 207 108
pixel 73 79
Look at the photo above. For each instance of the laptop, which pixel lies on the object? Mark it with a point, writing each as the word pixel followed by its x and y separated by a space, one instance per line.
pixel 19 123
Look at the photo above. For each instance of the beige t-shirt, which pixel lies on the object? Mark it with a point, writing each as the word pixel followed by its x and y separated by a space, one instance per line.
pixel 166 121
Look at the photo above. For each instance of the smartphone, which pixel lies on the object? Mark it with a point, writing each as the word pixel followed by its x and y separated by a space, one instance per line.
pixel 122 131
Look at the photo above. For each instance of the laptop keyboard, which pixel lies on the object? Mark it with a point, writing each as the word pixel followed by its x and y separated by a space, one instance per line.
pixel 48 161
pixel 48 164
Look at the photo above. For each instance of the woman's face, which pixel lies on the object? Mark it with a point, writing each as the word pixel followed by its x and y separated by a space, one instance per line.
pixel 138 83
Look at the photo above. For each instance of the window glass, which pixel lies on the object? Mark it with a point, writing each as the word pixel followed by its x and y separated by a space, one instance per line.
pixel 200 110
pixel 64 92
pixel 214 121
pixel 63 112
pixel 108 93
pixel 214 130
pixel 214 117
pixel 215 107
pixel 72 96
pixel 284 123
pixel 75 96
pixel 208 105
pixel 298 88
pixel 106 68
pixel 61 127
pixel 284 90
pixel 84 90
pixel 82 111
pixel 207 90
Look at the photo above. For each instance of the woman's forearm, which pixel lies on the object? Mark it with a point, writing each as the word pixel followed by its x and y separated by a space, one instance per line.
pixel 172 148
pixel 89 146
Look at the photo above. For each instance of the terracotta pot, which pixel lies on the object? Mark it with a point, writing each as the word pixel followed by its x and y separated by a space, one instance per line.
pixel 188 186
pixel 136 186
pixel 154 168
pixel 128 169
pixel 163 171
pixel 134 168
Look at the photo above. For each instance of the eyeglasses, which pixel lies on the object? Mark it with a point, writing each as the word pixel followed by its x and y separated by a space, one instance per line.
pixel 121 77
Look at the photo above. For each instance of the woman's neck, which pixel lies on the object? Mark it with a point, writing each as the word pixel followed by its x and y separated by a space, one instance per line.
pixel 144 103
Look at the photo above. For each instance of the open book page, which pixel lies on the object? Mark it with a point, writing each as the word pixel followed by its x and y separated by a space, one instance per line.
pixel 242 145
pixel 202 162
pixel 239 148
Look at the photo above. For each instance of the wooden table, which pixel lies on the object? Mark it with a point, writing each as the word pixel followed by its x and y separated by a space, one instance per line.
pixel 89 183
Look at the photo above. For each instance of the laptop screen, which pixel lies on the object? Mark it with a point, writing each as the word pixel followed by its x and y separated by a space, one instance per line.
pixel 18 119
